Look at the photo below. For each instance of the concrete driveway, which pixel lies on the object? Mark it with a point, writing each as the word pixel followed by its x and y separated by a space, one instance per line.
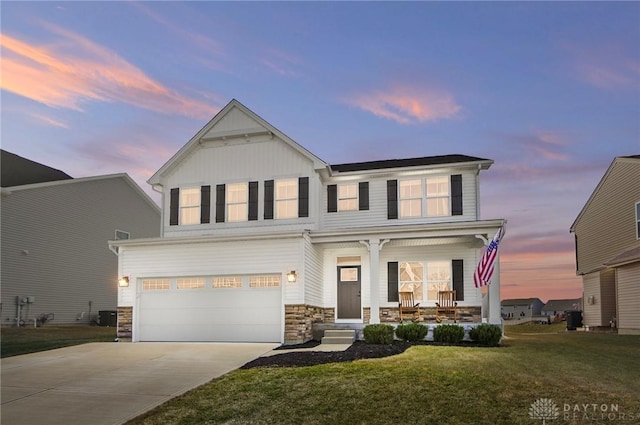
pixel 110 383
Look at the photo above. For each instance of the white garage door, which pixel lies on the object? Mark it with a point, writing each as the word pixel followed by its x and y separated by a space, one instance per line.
pixel 244 314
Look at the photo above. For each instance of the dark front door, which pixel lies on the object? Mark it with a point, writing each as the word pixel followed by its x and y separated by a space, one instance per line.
pixel 349 292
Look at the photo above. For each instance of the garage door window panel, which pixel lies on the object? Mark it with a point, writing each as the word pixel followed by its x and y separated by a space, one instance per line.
pixel 155 284
pixel 227 282
pixel 191 283
pixel 264 281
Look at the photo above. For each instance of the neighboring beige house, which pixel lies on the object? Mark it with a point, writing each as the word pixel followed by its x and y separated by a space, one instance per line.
pixel 607 234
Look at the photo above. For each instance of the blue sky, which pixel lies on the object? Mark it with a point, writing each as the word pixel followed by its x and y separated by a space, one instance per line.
pixel 550 91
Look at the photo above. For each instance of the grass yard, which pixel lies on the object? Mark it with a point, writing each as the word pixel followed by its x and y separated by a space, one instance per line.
pixel 28 339
pixel 433 385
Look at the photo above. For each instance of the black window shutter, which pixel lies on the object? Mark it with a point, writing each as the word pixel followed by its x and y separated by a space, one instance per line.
pixel 392 281
pixel 332 198
pixel 303 197
pixel 392 199
pixel 220 203
pixel 174 206
pixel 268 199
pixel 363 196
pixel 457 268
pixel 205 204
pixel 253 201
pixel 456 194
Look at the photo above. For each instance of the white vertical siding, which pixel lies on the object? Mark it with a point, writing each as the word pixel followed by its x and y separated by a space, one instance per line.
pixel 377 213
pixel 54 245
pixel 235 119
pixel 629 298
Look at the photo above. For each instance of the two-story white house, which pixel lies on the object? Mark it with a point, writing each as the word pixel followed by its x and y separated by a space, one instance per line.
pixel 261 240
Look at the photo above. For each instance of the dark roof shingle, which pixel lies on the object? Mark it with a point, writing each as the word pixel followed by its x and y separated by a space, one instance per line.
pixel 17 171
pixel 409 162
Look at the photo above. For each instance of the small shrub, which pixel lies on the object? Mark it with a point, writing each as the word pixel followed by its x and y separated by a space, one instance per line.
pixel 451 334
pixel 486 334
pixel 411 332
pixel 378 334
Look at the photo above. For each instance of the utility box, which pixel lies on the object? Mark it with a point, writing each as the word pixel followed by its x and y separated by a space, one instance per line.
pixel 574 320
pixel 108 318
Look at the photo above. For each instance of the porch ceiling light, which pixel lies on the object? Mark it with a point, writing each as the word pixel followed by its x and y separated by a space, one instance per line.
pixel 292 276
pixel 123 281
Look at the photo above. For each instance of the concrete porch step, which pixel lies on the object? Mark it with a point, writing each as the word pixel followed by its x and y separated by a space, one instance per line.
pixel 339 336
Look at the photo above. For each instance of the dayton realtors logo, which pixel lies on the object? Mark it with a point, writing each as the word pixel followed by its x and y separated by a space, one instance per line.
pixel 546 409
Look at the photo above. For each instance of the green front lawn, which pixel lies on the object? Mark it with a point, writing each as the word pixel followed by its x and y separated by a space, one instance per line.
pixel 28 339
pixel 430 385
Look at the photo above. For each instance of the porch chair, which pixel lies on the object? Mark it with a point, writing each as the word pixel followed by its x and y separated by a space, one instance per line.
pixel 408 306
pixel 446 305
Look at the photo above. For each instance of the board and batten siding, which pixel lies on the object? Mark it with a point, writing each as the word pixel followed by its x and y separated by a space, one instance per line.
pixel 607 226
pixel 237 258
pixel 313 274
pixel 628 296
pixel 54 245
pixel 241 162
pixel 377 213
pixel 424 254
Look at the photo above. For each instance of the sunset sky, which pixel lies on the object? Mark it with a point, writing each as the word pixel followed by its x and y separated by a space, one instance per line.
pixel 549 91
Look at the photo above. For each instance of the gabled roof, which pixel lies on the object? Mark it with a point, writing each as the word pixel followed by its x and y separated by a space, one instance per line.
pixel 563 305
pixel 630 158
pixel 411 162
pixel 18 171
pixel 520 301
pixel 202 136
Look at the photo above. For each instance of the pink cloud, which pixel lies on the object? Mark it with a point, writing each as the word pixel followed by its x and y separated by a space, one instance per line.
pixel 76 70
pixel 407 105
pixel 605 66
pixel 281 62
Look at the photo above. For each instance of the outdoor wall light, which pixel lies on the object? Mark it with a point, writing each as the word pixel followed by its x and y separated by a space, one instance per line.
pixel 292 276
pixel 123 281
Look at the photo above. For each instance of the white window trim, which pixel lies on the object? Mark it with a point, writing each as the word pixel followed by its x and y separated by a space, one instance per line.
pixel 424 197
pixel 182 207
pixel 421 198
pixel 276 200
pixel 245 217
pixel 447 196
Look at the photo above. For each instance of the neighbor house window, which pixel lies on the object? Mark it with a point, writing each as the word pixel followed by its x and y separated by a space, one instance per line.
pixel 266 281
pixel 155 284
pixel 286 198
pixel 411 277
pixel 227 282
pixel 191 283
pixel 638 220
pixel 237 201
pixel 437 196
pixel 411 198
pixel 190 205
pixel 438 278
pixel 348 197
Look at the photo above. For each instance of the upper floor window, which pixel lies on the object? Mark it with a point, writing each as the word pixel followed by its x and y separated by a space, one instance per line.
pixel 437 196
pixel 638 220
pixel 237 201
pixel 411 198
pixel 190 205
pixel 286 198
pixel 348 197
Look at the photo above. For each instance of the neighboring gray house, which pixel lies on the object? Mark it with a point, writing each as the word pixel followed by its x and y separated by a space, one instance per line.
pixel 555 308
pixel 521 309
pixel 55 257
pixel 607 235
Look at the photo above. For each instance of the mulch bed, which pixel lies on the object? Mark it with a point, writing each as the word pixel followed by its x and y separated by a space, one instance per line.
pixel 359 350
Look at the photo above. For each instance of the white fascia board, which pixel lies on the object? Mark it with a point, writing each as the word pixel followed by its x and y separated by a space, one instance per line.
pixel 413 170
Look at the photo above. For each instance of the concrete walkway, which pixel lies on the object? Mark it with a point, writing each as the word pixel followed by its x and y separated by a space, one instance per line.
pixel 110 383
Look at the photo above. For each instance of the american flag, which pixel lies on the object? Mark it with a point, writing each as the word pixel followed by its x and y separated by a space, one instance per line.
pixel 482 276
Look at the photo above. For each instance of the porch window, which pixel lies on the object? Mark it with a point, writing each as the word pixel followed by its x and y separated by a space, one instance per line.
pixel 155 284
pixel 438 278
pixel 266 281
pixel 411 278
pixel 286 198
pixel 410 198
pixel 190 205
pixel 437 196
pixel 237 201
pixel 348 197
pixel 191 283
pixel 227 282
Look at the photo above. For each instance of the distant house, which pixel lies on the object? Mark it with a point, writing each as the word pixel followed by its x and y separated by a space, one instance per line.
pixel 555 308
pixel 521 309
pixel 607 240
pixel 55 257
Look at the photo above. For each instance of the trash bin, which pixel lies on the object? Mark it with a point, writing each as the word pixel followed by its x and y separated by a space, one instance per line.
pixel 108 318
pixel 574 320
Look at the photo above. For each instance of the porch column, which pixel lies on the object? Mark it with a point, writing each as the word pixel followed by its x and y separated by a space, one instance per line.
pixel 374 288
pixel 495 317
